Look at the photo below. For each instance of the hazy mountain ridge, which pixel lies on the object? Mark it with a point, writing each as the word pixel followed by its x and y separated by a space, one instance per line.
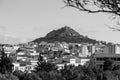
pixel 9 39
pixel 66 34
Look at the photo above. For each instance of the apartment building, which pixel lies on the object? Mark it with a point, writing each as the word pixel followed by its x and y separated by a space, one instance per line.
pixel 117 49
pixel 101 49
pixel 99 59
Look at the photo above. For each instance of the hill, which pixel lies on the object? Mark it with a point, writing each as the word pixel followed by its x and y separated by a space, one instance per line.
pixel 66 34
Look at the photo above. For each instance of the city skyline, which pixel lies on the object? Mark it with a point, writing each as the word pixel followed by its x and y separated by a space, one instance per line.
pixel 26 20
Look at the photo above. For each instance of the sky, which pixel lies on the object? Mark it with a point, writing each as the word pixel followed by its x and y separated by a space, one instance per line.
pixel 26 20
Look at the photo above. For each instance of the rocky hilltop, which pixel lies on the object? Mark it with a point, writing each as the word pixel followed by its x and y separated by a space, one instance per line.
pixel 66 34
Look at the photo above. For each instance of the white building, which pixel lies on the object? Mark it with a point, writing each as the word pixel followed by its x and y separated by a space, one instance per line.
pixel 16 66
pixel 21 55
pixel 117 49
pixel 73 60
pixel 84 50
pixel 84 60
pixel 23 68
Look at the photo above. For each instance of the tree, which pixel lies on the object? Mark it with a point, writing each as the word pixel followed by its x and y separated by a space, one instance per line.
pixel 8 76
pixel 18 73
pixel 109 6
pixel 42 65
pixel 116 67
pixel 55 76
pixel 5 63
pixel 52 75
pixel 110 75
pixel 30 76
pixel 46 66
pixel 95 72
pixel 108 65
pixel 98 6
pixel 70 72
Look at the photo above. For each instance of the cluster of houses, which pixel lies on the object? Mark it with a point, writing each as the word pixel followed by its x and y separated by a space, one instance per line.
pixel 25 56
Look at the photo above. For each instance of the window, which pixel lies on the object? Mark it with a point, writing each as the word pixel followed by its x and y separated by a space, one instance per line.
pixel 101 58
pixel 97 59
pixel 118 59
pixel 105 58
pixel 101 65
pixel 114 59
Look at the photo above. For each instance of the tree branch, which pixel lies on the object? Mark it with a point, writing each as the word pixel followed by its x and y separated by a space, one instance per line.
pixel 109 7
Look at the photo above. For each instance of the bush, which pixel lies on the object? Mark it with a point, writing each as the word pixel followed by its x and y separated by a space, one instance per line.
pixel 30 76
pixel 18 73
pixel 8 76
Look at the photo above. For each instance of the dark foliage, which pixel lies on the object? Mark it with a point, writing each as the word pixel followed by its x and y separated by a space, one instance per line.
pixel 18 73
pixel 108 65
pixel 8 76
pixel 43 65
pixel 46 66
pixel 52 75
pixel 69 72
pixel 5 63
pixel 30 76
pixel 116 67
